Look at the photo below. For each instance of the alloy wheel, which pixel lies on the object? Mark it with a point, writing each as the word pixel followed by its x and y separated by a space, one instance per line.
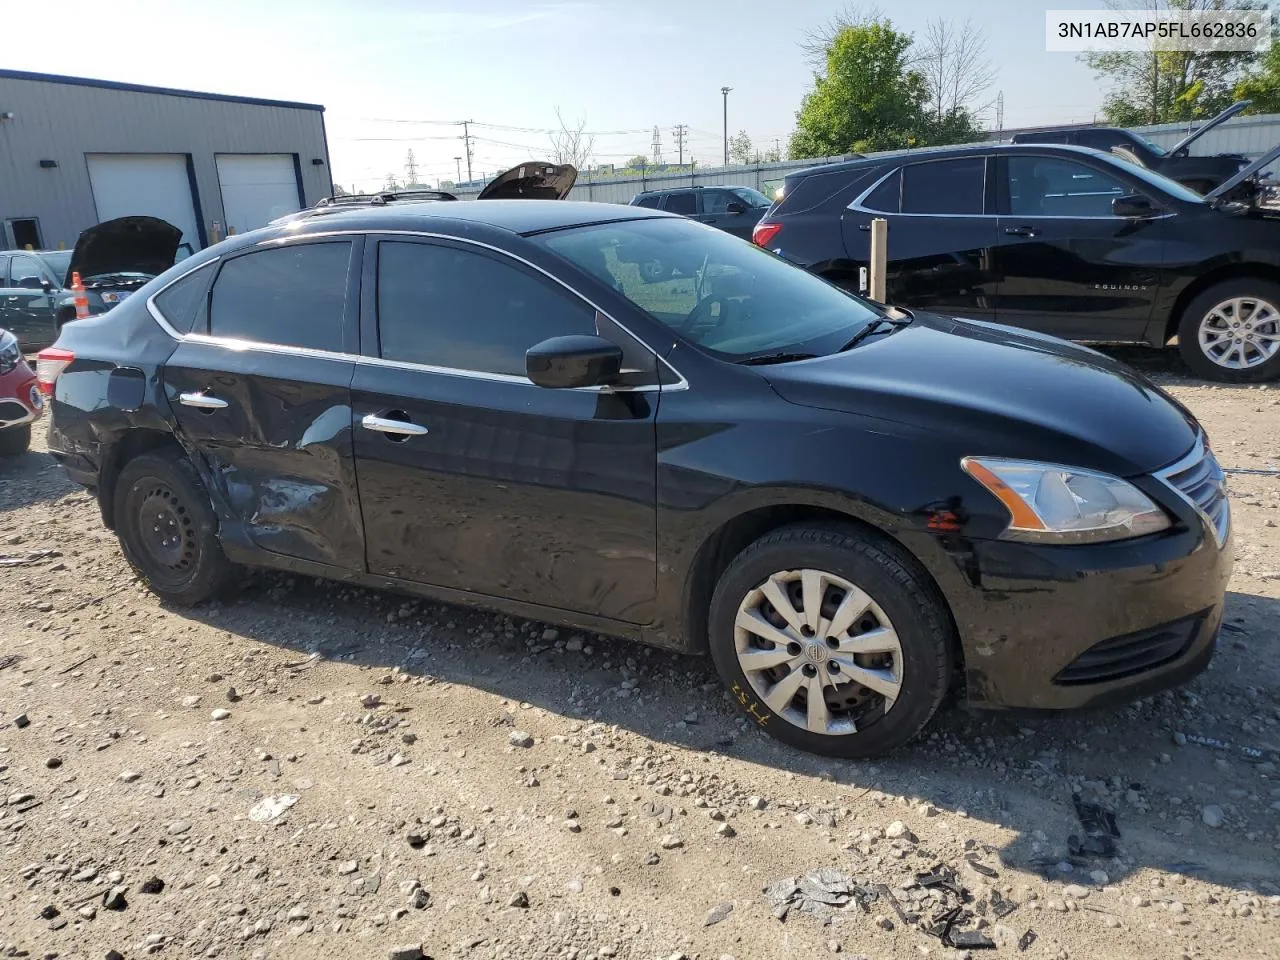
pixel 1240 333
pixel 819 651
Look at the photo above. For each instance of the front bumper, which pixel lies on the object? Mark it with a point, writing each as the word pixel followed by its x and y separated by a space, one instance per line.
pixel 1060 627
pixel 21 401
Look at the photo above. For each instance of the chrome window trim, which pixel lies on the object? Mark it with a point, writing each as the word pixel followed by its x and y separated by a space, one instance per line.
pixel 858 203
pixel 232 343
pixel 1197 453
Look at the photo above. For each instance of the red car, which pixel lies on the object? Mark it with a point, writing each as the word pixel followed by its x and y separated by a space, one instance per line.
pixel 21 402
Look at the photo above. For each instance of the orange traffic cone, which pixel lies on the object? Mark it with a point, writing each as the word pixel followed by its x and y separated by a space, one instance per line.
pixel 81 301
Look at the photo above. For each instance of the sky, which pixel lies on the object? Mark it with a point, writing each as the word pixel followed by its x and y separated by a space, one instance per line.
pixel 396 75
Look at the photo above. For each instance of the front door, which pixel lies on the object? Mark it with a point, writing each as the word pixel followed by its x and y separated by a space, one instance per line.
pixel 1068 266
pixel 725 210
pixel 470 476
pixel 27 308
pixel 261 392
pixel 941 235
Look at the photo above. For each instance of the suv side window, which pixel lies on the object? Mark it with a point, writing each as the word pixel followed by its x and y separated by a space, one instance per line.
pixel 293 295
pixel 887 197
pixel 717 201
pixel 685 202
pixel 954 187
pixel 444 306
pixel 649 201
pixel 1053 187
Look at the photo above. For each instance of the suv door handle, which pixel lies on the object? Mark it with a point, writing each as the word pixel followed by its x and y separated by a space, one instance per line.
pixel 201 401
pixel 401 428
pixel 1022 231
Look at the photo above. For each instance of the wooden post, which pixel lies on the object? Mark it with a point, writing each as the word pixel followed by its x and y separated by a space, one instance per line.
pixel 879 257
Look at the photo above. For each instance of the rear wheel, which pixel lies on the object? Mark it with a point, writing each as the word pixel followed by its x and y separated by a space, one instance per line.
pixel 168 531
pixel 831 641
pixel 15 441
pixel 1231 331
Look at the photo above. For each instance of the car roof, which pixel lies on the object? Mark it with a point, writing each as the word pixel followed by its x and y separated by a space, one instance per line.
pixel 944 153
pixel 516 216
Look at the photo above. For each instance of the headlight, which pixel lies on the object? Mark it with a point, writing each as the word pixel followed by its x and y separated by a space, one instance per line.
pixel 10 354
pixel 1048 503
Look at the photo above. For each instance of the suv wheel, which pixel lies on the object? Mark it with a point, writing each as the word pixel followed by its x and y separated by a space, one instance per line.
pixel 168 531
pixel 831 641
pixel 1231 332
pixel 15 441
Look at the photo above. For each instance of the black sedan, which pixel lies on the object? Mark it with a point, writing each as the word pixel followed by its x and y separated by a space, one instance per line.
pixel 628 422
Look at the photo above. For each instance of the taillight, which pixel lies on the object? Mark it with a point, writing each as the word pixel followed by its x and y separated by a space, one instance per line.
pixel 764 233
pixel 50 362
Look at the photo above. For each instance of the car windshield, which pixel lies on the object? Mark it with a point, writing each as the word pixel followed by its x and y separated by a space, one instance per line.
pixel 730 298
pixel 58 262
pixel 752 198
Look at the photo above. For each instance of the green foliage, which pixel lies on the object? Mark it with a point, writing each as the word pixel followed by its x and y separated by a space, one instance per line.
pixel 740 150
pixel 1262 86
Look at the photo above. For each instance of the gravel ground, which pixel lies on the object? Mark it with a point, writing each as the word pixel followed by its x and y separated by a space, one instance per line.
pixel 467 785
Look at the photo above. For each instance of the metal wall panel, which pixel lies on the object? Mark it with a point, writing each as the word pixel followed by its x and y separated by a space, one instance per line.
pixel 64 121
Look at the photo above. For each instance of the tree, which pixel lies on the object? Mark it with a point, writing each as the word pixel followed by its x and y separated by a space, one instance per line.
pixel 571 143
pixel 392 183
pixel 818 41
pixel 1165 86
pixel 1262 85
pixel 956 69
pixel 740 147
pixel 867 98
pixel 638 162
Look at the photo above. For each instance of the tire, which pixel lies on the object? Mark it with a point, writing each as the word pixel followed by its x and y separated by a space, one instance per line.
pixel 857 723
pixel 1214 310
pixel 168 531
pixel 15 441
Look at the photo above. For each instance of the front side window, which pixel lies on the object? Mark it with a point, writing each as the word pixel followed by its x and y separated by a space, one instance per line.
pixel 684 203
pixel 1053 187
pixel 444 306
pixel 730 298
pixel 752 198
pixel 294 296
pixel 26 272
pixel 717 201
pixel 945 187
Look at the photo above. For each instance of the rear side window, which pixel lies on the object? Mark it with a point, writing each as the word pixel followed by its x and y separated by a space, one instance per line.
pixel 945 186
pixel 446 307
pixel 181 302
pixel 886 197
pixel 295 296
pixel 684 203
pixel 648 202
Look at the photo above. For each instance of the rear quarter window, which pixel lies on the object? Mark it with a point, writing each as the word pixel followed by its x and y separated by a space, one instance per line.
pixel 182 302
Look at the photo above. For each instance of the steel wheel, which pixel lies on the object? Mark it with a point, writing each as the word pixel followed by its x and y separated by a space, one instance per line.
pixel 1240 333
pixel 166 531
pixel 819 651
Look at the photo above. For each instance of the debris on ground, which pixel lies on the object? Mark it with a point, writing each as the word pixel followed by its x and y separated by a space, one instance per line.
pixel 270 808
pixel 1100 830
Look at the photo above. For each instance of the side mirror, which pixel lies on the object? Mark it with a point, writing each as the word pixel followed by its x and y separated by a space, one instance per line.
pixel 1133 206
pixel 46 286
pixel 574 361
pixel 30 283
pixel 735 207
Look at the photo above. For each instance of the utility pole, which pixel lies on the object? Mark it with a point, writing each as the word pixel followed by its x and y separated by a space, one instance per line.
pixel 680 131
pixel 411 167
pixel 1000 112
pixel 457 161
pixel 724 92
pixel 657 146
pixel 466 139
pixel 777 150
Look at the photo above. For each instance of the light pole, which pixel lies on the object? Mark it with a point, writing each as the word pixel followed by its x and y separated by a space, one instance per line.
pixel 458 163
pixel 724 92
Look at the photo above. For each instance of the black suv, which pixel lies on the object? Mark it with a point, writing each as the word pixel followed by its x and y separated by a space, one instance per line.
pixel 1064 240
pixel 497 403
pixel 734 210
pixel 1200 173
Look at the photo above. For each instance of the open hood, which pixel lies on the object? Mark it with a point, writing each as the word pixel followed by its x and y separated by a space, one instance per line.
pixel 1231 182
pixel 533 180
pixel 1225 115
pixel 125 245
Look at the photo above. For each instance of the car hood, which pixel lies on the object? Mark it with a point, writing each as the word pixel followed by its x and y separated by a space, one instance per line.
pixel 145 245
pixel 1000 391
pixel 1196 134
pixel 535 180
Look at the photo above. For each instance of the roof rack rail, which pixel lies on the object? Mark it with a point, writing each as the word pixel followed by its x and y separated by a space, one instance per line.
pixel 378 199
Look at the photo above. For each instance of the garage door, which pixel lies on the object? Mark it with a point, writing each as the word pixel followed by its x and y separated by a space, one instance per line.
pixel 144 184
pixel 257 188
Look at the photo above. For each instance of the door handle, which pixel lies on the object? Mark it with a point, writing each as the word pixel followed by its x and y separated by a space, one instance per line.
pixel 201 401
pixel 401 428
pixel 1023 231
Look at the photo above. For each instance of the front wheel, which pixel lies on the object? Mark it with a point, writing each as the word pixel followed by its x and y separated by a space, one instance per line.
pixel 831 641
pixel 1231 332
pixel 168 531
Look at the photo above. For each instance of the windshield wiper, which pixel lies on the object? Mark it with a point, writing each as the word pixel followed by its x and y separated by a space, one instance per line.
pixel 776 358
pixel 878 325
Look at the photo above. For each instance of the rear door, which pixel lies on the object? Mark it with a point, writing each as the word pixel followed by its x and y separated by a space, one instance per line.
pixel 942 233
pixel 261 391
pixel 27 309
pixel 473 478
pixel 683 202
pixel 1069 266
